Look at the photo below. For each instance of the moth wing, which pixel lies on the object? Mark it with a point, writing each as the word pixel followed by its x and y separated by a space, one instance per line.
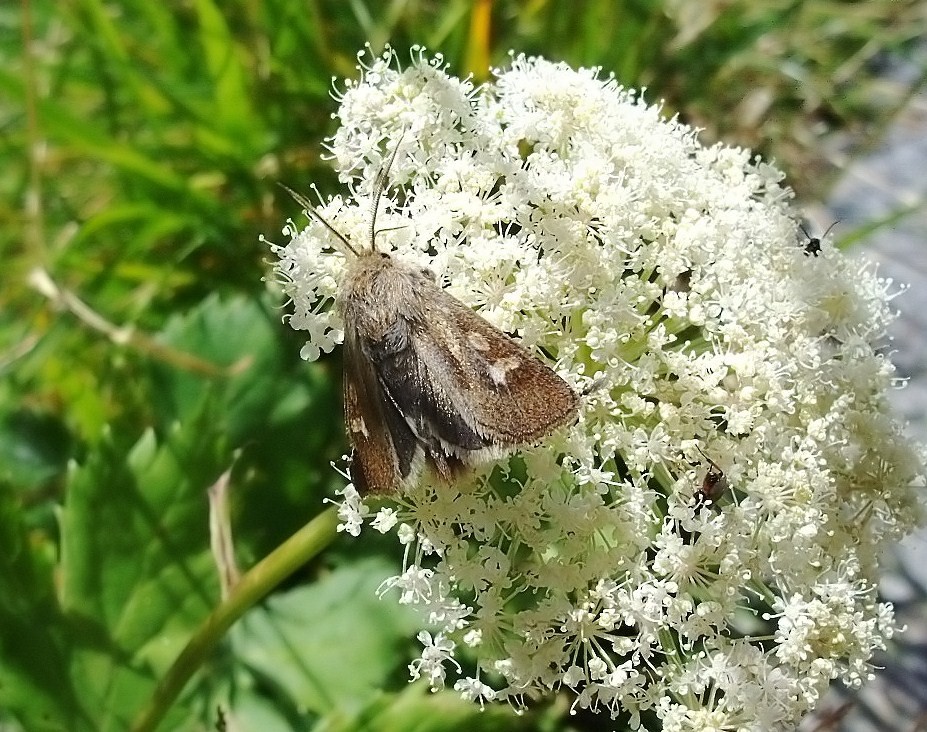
pixel 384 444
pixel 520 398
pixel 420 395
pixel 465 387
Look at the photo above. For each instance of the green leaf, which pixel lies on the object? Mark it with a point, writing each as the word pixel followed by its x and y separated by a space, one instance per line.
pixel 34 683
pixel 333 644
pixel 415 709
pixel 282 414
pixel 106 32
pixel 86 138
pixel 233 108
pixel 137 575
pixel 238 340
pixel 34 447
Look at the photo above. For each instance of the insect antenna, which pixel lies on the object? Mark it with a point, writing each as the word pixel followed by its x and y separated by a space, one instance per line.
pixel 379 186
pixel 313 213
pixel 827 230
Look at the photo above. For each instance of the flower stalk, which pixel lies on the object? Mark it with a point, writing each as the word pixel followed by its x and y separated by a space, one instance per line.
pixel 251 588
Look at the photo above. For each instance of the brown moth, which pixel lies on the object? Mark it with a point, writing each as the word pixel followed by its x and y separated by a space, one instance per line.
pixel 426 379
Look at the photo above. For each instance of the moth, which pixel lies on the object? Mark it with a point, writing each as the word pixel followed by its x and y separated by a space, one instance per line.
pixel 426 379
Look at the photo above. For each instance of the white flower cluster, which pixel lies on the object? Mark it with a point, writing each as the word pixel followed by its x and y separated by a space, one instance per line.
pixel 670 282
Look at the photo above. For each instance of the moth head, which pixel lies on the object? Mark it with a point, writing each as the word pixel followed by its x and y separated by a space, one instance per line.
pixel 380 184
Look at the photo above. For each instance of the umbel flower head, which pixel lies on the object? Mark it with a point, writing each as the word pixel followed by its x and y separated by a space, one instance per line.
pixel 699 548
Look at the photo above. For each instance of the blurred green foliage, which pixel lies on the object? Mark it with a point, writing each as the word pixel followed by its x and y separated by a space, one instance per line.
pixel 143 354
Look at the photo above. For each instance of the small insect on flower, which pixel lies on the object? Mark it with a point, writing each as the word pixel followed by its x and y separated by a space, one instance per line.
pixel 428 380
pixel 714 484
pixel 813 245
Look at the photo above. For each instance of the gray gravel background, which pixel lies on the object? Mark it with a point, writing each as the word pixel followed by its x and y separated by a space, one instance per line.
pixel 876 187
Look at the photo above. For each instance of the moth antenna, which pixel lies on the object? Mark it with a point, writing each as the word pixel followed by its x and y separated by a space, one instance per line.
pixel 391 228
pixel 311 210
pixel 379 186
pixel 805 232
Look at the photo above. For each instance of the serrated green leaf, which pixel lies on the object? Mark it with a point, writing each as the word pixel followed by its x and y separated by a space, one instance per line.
pixel 283 414
pixel 137 575
pixel 237 337
pixel 34 682
pixel 333 644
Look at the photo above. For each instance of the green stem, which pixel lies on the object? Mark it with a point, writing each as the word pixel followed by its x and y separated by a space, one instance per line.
pixel 253 586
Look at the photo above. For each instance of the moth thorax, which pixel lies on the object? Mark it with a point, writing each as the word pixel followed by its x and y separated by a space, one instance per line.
pixel 377 290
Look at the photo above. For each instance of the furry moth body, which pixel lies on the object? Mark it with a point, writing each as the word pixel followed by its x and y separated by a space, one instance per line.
pixel 428 381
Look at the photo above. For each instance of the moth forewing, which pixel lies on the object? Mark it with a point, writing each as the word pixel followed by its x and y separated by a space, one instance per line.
pixel 467 392
pixel 510 394
pixel 384 446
